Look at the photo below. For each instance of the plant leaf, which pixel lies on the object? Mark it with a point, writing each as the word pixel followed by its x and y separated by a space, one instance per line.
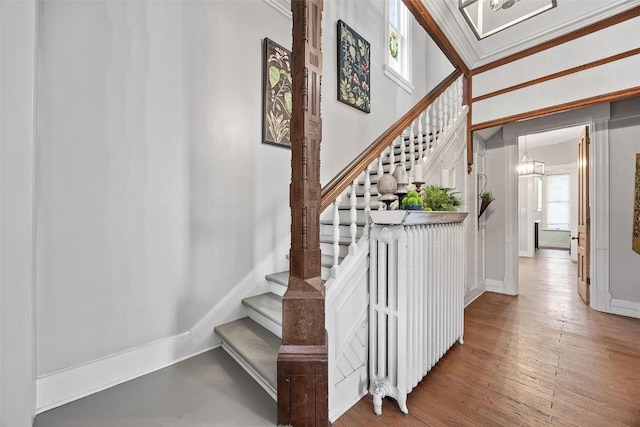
pixel 274 75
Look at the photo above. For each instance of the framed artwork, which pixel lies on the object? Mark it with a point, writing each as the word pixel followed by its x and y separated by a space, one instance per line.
pixel 277 102
pixel 354 70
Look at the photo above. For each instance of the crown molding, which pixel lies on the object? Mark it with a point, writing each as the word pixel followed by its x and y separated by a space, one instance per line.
pixel 282 6
pixel 477 53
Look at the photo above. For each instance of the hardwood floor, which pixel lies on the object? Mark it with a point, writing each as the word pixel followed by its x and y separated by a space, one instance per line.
pixel 541 358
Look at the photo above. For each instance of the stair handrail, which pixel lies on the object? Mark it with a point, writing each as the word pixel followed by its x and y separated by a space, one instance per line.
pixel 346 176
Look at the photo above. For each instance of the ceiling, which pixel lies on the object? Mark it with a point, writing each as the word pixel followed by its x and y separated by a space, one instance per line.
pixel 552 137
pixel 567 16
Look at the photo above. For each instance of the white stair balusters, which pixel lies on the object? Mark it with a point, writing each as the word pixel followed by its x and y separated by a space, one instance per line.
pixel 353 217
pixel 427 128
pixel 423 135
pixel 335 268
pixel 367 198
pixel 440 107
pixel 412 145
pixel 403 148
pixel 420 137
pixel 445 110
pixel 380 169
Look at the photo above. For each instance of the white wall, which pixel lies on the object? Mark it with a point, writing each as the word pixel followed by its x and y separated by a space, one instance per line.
pixel 624 134
pixel 158 205
pixel 17 349
pixel 347 131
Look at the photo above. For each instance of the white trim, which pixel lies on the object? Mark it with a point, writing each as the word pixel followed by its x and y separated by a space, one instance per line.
pixel 65 386
pixel 596 118
pixel 282 6
pixel 553 245
pixel 496 286
pixel 403 77
pixel 600 296
pixel 453 24
pixel 473 295
pixel 511 238
pixel 625 308
pixel 398 78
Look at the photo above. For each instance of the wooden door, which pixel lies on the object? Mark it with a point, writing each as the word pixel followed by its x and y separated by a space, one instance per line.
pixel 584 217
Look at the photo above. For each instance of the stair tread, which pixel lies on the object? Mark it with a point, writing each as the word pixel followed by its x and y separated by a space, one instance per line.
pixel 281 278
pixel 257 346
pixel 268 304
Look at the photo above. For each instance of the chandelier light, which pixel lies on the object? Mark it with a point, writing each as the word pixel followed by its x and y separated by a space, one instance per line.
pixel 529 166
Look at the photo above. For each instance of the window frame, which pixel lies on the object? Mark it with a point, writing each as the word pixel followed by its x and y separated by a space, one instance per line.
pixel 401 77
pixel 569 201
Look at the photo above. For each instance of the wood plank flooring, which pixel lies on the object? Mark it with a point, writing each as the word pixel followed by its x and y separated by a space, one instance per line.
pixel 541 358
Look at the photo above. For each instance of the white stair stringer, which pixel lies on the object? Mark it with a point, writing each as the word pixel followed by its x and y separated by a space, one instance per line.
pixel 346 307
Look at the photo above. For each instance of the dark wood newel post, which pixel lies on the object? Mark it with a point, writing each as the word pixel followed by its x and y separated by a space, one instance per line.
pixel 303 359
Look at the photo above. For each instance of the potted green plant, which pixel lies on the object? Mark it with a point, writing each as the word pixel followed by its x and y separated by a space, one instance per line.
pixel 437 198
pixel 486 197
pixel 412 201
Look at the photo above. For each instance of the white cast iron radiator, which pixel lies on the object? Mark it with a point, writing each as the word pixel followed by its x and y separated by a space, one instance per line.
pixel 416 304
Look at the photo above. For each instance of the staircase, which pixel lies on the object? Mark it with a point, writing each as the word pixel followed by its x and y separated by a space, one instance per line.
pixel 253 341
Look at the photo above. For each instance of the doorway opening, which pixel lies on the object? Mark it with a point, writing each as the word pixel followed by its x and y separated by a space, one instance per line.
pixel 547 200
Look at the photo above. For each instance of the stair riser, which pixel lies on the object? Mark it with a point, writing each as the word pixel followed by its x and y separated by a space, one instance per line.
pixel 345 215
pixel 266 323
pixel 345 230
pixel 327 248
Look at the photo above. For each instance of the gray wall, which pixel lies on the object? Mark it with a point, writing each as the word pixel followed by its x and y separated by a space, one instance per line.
pixel 624 134
pixel 495 217
pixel 17 349
pixel 624 143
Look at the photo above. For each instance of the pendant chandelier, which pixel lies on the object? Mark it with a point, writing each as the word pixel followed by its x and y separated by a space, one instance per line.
pixel 529 166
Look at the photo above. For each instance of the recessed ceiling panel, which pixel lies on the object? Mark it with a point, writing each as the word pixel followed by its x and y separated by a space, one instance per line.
pixel 487 17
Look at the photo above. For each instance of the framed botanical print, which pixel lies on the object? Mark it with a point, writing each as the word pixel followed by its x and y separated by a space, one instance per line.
pixel 354 68
pixel 277 101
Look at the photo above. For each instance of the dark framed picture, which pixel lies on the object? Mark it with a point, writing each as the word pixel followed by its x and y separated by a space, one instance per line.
pixel 354 71
pixel 276 73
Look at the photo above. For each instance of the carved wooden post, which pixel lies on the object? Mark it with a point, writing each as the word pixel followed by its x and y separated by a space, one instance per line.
pixel 303 360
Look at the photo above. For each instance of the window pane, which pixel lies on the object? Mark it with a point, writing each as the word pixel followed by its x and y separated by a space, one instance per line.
pixel 558 193
pixel 393 13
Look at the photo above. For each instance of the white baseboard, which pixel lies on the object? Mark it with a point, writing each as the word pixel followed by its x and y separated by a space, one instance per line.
pixel 58 388
pixel 625 308
pixel 492 285
pixel 473 295
pixel 552 245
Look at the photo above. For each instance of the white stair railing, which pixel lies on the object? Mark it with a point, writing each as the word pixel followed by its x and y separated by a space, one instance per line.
pixel 415 144
pixel 346 307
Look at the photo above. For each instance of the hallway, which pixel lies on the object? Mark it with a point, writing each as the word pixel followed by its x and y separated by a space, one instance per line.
pixel 542 358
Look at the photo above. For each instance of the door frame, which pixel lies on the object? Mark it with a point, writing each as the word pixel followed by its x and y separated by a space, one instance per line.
pixel 597 118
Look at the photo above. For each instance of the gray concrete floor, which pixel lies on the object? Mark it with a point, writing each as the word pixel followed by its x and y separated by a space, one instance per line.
pixel 207 390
